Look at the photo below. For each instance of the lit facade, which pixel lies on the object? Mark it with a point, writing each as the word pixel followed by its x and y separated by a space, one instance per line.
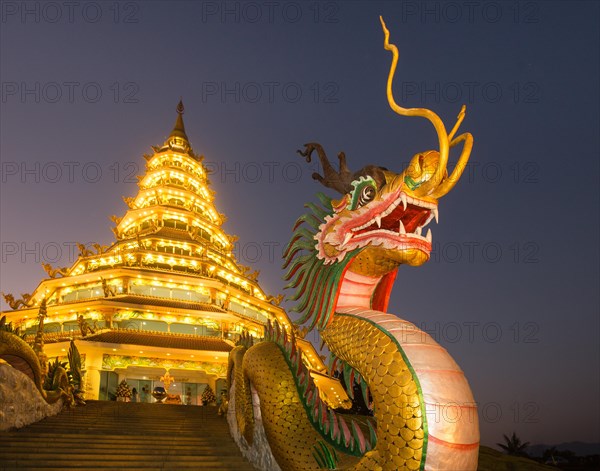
pixel 167 295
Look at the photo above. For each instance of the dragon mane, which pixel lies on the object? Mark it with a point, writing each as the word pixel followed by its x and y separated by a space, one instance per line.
pixel 316 283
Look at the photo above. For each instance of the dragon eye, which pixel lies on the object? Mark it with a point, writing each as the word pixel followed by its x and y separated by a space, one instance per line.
pixel 364 192
pixel 366 195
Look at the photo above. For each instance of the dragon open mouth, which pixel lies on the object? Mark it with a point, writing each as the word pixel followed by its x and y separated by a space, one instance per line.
pixel 400 221
pixel 406 216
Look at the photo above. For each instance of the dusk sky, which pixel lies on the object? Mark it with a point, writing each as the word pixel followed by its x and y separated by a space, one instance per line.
pixel 512 287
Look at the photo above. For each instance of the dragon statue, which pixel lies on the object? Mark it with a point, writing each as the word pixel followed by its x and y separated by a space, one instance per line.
pixel 100 249
pixel 15 304
pixel 107 289
pixel 342 261
pixel 52 380
pixel 83 250
pixel 55 272
pixel 53 384
pixel 85 327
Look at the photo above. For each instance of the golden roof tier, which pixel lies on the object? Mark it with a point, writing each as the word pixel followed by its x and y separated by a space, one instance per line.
pixel 171 265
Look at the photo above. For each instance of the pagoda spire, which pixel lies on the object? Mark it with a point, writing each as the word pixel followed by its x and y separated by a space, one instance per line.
pixel 178 138
pixel 173 211
pixel 179 128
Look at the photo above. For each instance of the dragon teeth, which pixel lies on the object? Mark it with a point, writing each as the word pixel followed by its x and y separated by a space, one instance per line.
pixel 428 236
pixel 347 239
pixel 429 219
pixel 390 208
pixel 404 200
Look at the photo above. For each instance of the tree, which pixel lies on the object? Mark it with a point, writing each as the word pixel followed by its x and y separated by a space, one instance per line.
pixel 550 453
pixel 513 445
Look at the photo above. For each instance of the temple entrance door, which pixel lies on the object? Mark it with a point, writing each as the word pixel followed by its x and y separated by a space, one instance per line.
pixel 109 381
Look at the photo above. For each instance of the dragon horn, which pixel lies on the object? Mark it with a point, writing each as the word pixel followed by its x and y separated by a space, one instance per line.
pixel 461 164
pixel 434 185
pixel 338 181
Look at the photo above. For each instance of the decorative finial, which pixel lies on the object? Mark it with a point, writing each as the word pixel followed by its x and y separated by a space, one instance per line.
pixel 179 128
pixel 178 139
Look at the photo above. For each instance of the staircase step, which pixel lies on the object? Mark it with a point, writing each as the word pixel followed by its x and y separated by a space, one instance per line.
pixel 125 437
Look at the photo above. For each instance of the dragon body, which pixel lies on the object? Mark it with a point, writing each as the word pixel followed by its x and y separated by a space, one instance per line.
pixel 14 303
pixel 342 262
pixel 16 352
pixel 52 380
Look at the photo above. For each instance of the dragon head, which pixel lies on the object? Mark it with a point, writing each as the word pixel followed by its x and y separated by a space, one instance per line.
pixel 380 222
pixel 383 213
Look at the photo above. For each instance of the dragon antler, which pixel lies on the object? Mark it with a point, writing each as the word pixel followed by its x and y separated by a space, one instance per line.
pixel 338 181
pixel 436 186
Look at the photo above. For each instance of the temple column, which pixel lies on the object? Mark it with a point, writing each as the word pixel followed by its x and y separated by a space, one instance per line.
pixel 93 366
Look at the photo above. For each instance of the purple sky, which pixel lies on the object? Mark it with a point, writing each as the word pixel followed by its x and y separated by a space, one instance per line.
pixel 512 288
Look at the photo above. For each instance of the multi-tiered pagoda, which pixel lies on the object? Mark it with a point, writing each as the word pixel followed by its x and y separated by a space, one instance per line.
pixel 166 296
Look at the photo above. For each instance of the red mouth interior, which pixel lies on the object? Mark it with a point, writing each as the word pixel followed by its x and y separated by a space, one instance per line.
pixel 413 217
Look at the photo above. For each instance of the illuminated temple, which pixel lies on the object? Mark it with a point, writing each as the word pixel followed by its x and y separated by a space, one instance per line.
pixel 166 296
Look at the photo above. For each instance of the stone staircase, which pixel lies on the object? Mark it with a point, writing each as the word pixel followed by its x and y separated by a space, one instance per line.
pixel 124 436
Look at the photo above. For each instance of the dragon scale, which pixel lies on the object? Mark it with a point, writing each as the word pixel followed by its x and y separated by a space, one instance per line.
pixel 423 407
